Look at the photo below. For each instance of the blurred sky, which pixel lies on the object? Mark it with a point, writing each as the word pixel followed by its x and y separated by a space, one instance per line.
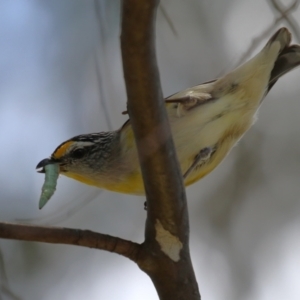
pixel 60 76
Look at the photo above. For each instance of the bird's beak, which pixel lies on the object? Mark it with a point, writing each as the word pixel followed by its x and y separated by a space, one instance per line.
pixel 41 165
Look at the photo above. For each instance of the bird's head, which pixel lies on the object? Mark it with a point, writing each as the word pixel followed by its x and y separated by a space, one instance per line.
pixel 81 157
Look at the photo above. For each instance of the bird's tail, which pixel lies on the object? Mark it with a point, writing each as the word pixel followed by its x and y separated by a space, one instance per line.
pixel 283 36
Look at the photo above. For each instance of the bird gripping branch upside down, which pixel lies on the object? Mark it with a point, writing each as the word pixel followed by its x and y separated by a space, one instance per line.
pixel 207 120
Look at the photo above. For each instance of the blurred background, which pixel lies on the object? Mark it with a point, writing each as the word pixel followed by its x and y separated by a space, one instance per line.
pixel 61 75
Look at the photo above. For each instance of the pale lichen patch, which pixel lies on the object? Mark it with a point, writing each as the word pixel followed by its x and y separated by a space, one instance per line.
pixel 169 243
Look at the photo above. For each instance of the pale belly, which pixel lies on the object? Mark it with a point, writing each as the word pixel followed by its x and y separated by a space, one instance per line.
pixel 209 128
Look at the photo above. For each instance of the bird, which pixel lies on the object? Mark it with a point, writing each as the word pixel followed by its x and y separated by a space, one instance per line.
pixel 206 121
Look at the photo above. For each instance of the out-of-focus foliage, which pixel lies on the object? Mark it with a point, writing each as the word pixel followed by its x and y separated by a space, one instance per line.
pixel 61 75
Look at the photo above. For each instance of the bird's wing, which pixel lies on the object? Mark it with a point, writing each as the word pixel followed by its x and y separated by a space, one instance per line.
pixel 286 61
pixel 179 104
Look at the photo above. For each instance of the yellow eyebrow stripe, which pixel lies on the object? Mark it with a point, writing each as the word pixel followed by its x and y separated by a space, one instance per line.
pixel 62 150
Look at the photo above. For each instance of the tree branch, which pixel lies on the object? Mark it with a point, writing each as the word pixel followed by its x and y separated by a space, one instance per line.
pixel 167 225
pixel 162 176
pixel 68 236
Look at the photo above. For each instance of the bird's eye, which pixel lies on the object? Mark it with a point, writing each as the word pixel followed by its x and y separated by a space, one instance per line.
pixel 78 153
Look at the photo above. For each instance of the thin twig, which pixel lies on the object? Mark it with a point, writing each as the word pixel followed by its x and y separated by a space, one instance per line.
pixel 4 284
pixel 63 212
pixel 69 236
pixel 168 19
pixel 101 88
pixel 267 32
pixel 287 16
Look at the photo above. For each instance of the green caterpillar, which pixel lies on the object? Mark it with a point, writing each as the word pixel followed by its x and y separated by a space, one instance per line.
pixel 49 186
